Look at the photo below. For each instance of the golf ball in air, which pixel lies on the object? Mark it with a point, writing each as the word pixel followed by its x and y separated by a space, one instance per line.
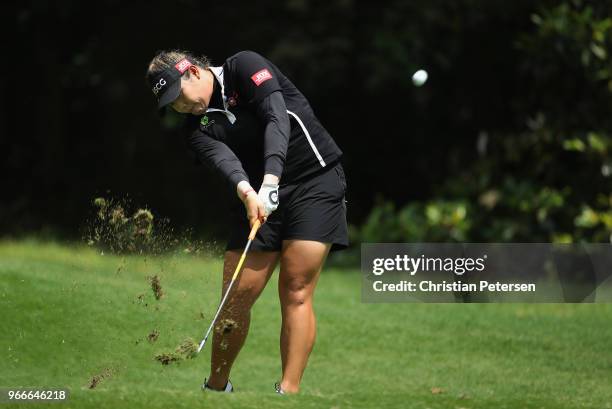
pixel 419 77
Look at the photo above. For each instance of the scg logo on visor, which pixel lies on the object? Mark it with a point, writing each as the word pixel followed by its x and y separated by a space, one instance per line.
pixel 160 84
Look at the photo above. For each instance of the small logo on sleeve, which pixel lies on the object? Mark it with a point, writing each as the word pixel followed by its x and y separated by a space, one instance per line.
pixel 182 65
pixel 261 76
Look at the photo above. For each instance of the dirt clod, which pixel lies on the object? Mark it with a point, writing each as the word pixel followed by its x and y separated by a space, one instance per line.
pixel 143 223
pixel 188 348
pixel 185 350
pixel 167 359
pixel 152 337
pixel 96 379
pixel 226 326
pixel 119 226
pixel 158 292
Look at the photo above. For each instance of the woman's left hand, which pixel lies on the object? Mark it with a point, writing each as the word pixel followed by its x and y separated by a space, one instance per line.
pixel 268 194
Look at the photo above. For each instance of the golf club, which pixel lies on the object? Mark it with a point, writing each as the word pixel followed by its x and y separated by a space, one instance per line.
pixel 252 234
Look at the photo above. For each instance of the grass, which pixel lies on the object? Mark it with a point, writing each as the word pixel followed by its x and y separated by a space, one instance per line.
pixel 70 314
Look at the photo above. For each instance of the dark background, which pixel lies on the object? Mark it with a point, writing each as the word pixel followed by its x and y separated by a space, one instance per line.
pixel 509 140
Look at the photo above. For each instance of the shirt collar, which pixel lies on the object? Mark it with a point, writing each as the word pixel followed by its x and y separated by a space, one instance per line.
pixel 216 99
pixel 218 73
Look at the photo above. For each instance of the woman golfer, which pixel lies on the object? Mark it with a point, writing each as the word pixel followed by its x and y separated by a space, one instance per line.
pixel 250 124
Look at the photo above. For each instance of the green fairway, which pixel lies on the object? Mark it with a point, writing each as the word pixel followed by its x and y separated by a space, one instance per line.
pixel 70 314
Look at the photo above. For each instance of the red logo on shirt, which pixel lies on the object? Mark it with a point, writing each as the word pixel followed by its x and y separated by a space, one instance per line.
pixel 182 65
pixel 261 76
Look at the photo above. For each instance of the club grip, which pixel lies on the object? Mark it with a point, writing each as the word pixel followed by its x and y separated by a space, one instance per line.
pixel 254 229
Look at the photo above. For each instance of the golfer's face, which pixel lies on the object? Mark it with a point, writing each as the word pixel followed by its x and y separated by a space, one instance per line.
pixel 194 97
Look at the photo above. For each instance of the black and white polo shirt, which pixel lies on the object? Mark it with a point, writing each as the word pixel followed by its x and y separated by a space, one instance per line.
pixel 258 122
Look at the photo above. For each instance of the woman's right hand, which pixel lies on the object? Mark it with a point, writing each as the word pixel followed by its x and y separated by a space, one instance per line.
pixel 254 208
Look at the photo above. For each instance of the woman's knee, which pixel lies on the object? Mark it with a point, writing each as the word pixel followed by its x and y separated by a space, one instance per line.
pixel 244 297
pixel 295 292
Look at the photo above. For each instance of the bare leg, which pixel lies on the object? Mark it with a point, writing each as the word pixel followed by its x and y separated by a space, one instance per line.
pixel 301 264
pixel 232 325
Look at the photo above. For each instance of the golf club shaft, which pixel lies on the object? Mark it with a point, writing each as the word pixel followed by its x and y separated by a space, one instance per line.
pixel 252 234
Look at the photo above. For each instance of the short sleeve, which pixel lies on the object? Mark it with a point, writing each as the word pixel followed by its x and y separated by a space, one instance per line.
pixel 256 76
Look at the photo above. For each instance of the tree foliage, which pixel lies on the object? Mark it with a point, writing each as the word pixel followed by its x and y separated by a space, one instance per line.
pixel 548 177
pixel 509 140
